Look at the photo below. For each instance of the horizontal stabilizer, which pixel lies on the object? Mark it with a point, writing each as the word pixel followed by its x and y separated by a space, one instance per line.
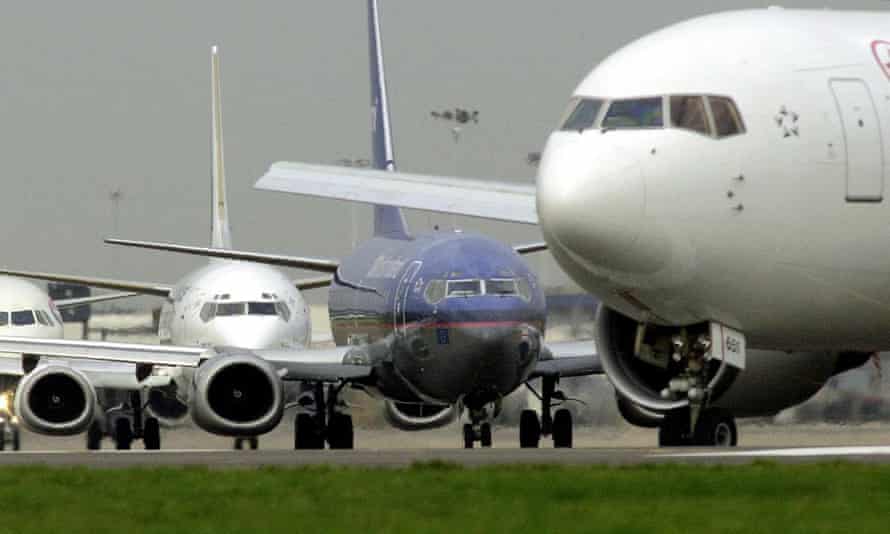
pixel 568 358
pixel 143 288
pixel 458 196
pixel 85 301
pixel 312 264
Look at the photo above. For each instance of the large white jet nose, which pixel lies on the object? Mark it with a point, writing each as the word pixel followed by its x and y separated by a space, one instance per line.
pixel 591 200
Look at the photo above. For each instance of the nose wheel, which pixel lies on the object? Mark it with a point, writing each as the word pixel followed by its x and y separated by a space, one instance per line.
pixel 480 432
pixel 713 428
pixel 559 425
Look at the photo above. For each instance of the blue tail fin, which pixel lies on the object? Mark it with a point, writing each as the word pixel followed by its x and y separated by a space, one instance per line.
pixel 388 221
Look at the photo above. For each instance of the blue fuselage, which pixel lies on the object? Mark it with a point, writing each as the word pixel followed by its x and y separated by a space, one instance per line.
pixel 463 316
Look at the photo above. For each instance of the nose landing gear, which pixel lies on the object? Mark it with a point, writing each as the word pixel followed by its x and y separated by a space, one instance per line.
pixel 323 420
pixel 125 424
pixel 714 428
pixel 558 426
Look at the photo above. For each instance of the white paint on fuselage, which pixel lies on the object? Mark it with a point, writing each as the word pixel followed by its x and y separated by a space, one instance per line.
pixel 653 213
pixel 19 295
pixel 181 323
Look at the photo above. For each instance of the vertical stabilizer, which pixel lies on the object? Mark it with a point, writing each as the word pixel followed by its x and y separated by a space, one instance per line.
pixel 220 234
pixel 388 221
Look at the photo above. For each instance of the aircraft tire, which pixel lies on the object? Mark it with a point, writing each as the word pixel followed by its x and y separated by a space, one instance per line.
pixel 341 434
pixel 562 429
pixel 123 434
pixel 469 436
pixel 716 428
pixel 94 436
pixel 307 435
pixel 16 438
pixel 151 434
pixel 485 436
pixel 529 429
pixel 2 436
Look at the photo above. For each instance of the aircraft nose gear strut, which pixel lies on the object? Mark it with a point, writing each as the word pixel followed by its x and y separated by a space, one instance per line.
pixel 478 429
pixel 558 425
pixel 323 419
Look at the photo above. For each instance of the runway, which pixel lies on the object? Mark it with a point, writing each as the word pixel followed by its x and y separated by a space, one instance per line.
pixel 397 458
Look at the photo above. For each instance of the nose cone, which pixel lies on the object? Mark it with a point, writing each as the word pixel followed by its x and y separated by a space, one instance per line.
pixel 251 333
pixel 591 202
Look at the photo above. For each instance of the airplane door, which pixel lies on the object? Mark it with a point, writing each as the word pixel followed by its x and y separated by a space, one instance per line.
pixel 400 319
pixel 862 141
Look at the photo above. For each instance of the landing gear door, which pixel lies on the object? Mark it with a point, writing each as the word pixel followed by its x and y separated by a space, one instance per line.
pixel 400 317
pixel 728 345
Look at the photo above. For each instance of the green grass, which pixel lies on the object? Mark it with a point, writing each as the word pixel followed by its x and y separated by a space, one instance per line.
pixel 444 498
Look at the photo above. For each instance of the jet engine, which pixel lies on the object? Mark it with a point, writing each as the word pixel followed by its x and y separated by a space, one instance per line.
pixel 164 405
pixel 419 415
pixel 237 395
pixel 56 399
pixel 648 371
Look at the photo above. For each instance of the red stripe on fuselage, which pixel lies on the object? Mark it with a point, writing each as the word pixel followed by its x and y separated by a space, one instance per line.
pixel 466 324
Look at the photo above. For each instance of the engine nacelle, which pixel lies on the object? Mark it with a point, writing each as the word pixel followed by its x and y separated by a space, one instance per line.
pixel 56 400
pixel 166 407
pixel 237 395
pixel 771 381
pixel 418 415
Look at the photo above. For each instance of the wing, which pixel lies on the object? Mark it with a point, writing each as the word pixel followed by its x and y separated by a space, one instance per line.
pixel 84 301
pixel 143 288
pixel 312 264
pixel 529 248
pixel 568 358
pixel 313 283
pixel 460 196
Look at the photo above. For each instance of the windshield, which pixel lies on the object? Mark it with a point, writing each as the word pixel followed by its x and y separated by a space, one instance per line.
pixel 23 318
pixel 583 115
pixel 4 318
pixel 634 113
pixel 500 287
pixel 225 309
pixel 464 288
pixel 211 310
pixel 261 308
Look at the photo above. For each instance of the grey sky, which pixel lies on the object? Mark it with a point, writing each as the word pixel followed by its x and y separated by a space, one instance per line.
pixel 103 95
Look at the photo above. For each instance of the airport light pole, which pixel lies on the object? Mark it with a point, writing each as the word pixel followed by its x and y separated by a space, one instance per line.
pixel 457 119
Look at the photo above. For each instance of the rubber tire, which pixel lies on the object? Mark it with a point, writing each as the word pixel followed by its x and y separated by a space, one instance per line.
pixel 485 436
pixel 2 436
pixel 529 430
pixel 341 434
pixel 239 444
pixel 562 429
pixel 306 433
pixel 716 428
pixel 469 436
pixel 151 434
pixel 16 438
pixel 254 443
pixel 123 434
pixel 672 431
pixel 94 436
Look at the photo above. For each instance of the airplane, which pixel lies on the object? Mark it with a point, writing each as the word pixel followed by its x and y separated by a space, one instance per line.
pixel 223 303
pixel 434 323
pixel 28 311
pixel 724 198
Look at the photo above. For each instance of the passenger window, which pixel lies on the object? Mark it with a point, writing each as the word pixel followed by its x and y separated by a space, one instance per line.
pixel 261 308
pixel 688 113
pixel 23 318
pixel 583 114
pixel 464 288
pixel 726 116
pixel 208 311
pixel 225 309
pixel 502 287
pixel 636 113
pixel 435 291
pixel 4 318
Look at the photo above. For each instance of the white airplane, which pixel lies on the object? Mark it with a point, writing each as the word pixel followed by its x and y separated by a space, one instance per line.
pixel 720 185
pixel 222 304
pixel 28 311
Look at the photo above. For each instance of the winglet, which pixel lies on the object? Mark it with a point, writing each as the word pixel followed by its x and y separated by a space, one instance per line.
pixel 220 233
pixel 388 220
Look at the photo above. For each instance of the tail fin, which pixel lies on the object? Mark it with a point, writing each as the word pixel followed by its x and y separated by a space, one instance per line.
pixel 220 233
pixel 388 221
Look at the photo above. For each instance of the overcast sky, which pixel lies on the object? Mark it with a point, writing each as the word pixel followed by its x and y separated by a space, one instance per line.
pixel 104 96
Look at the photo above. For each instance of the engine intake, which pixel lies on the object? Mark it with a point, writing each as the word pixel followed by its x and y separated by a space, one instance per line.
pixel 418 415
pixel 56 400
pixel 237 395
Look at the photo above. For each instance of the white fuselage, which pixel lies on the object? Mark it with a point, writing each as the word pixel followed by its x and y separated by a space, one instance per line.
pixel 782 231
pixel 27 311
pixel 244 305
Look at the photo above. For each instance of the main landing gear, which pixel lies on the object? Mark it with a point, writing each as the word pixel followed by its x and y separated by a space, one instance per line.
pixel 10 437
pixel 713 428
pixel 558 425
pixel 126 429
pixel 323 421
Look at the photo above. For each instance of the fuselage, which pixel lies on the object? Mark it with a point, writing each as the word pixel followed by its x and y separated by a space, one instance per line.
pixel 733 171
pixel 463 313
pixel 27 311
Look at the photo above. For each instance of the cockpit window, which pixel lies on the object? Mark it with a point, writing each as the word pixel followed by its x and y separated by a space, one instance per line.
pixel 689 113
pixel 208 311
pixel 283 310
pixel 501 287
pixel 23 318
pixel 634 113
pixel 4 318
pixel 261 308
pixel 226 309
pixel 464 288
pixel 42 318
pixel 435 291
pixel 583 114
pixel 727 120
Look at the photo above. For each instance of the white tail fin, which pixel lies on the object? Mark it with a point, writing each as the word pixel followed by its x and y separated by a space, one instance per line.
pixel 220 233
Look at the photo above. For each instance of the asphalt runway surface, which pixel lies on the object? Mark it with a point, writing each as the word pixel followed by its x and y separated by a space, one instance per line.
pixel 390 448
